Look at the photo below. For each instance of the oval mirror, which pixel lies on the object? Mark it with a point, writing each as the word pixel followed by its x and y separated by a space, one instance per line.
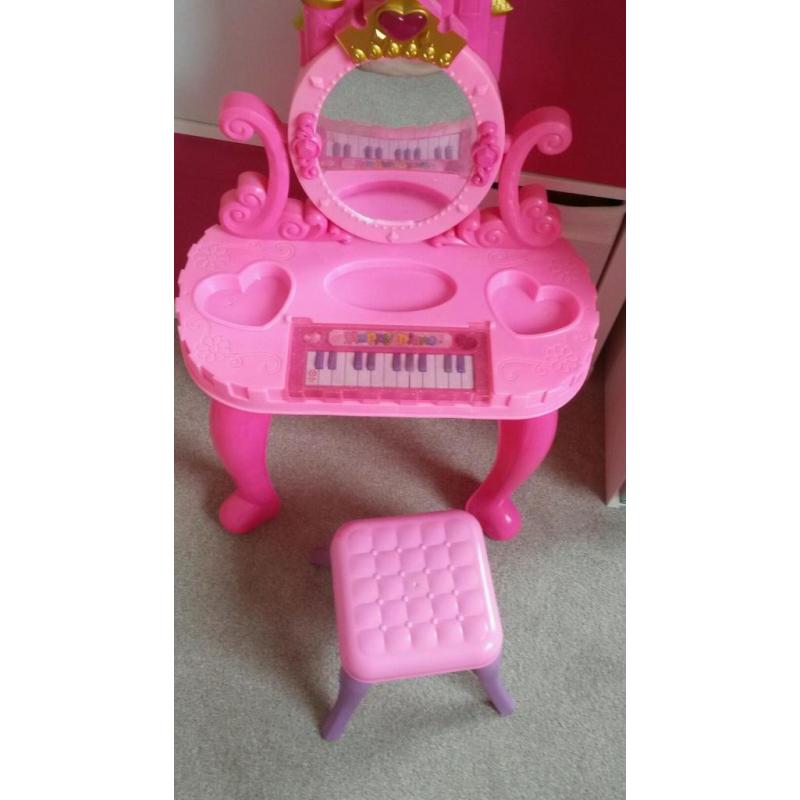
pixel 396 148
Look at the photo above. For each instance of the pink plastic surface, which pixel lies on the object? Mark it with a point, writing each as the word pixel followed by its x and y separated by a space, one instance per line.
pixel 240 300
pixel 240 440
pixel 550 130
pixel 521 447
pixel 414 596
pixel 253 208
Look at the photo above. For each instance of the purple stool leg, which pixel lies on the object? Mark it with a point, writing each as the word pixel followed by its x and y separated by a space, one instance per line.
pixel 240 439
pixel 493 686
pixel 351 693
pixel 521 447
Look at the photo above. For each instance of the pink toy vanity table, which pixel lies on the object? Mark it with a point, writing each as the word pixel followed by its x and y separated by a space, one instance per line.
pixel 388 290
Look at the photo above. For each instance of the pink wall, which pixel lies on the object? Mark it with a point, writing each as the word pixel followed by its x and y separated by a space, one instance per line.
pixel 571 53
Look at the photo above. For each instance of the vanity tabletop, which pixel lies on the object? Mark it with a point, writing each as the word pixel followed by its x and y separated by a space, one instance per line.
pixel 264 326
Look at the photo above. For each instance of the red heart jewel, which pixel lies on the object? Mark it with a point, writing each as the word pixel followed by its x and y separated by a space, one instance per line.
pixel 403 26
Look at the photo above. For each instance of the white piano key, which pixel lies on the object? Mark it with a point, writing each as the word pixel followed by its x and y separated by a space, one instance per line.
pixel 458 381
pixel 363 374
pixel 415 379
pixel 454 378
pixel 389 375
pixel 429 376
pixel 468 378
pixel 403 377
pixel 376 376
pixel 325 373
pixel 312 376
pixel 442 378
pixel 350 372
pixel 337 379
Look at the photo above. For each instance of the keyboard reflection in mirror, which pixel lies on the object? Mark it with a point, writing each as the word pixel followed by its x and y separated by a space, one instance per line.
pixel 443 147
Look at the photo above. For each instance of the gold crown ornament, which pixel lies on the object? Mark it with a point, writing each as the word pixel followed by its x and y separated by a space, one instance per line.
pixel 401 29
pixel 500 7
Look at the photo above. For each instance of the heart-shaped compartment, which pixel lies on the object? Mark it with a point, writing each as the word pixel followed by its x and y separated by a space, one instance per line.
pixel 528 309
pixel 250 299
pixel 403 27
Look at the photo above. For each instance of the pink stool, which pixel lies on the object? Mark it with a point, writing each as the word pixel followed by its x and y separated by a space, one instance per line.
pixel 414 597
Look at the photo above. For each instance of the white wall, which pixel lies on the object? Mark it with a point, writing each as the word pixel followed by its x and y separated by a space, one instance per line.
pixel 224 45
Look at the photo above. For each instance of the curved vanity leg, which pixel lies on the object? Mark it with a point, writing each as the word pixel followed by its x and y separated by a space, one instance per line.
pixel 522 446
pixel 240 439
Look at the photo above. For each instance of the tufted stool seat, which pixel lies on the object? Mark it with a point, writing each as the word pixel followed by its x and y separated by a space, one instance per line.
pixel 414 597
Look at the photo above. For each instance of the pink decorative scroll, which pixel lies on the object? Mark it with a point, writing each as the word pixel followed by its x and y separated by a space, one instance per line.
pixel 301 219
pixel 526 213
pixel 525 218
pixel 486 228
pixel 253 208
pixel 306 145
pixel 485 153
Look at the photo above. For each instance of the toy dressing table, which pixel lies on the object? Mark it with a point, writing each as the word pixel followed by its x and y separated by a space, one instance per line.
pixel 388 290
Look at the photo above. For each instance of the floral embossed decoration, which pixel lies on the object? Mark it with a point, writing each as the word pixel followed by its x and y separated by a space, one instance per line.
pixel 485 153
pixel 306 145
pixel 561 358
pixel 215 348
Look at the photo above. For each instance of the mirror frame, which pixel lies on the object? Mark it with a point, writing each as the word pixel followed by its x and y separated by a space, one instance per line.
pixel 316 81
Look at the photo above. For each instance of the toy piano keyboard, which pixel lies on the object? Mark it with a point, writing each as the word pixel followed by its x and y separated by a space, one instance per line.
pixel 409 365
pixel 295 327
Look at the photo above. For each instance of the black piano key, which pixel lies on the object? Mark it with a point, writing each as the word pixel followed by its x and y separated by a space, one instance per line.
pixel 409 362
pixel 371 362
pixel 319 360
pixel 332 360
pixel 396 362
pixel 461 365
pixel 422 362
pixel 358 360
pixel 448 363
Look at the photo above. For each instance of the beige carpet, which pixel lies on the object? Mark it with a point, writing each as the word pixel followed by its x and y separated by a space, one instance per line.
pixel 256 661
